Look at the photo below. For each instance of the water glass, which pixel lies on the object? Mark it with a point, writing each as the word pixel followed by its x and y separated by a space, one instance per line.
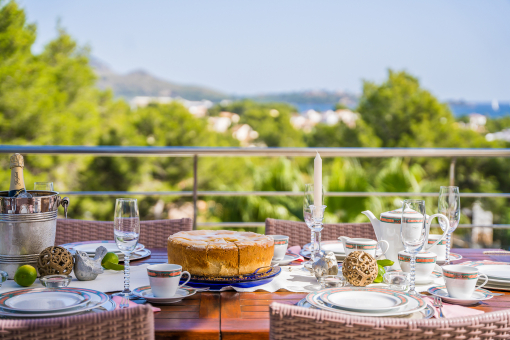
pixel 397 280
pixel 126 233
pixel 449 205
pixel 43 186
pixel 414 233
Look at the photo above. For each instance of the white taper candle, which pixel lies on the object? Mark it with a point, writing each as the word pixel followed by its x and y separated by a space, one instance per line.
pixel 317 181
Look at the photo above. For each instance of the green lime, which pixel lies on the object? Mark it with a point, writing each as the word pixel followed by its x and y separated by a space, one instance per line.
pixel 113 266
pixel 110 257
pixel 25 275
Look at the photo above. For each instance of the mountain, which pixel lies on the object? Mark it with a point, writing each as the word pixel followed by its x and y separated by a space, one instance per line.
pixel 142 83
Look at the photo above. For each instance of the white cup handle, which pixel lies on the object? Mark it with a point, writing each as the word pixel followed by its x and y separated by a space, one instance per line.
pixel 385 250
pixel 444 233
pixel 189 277
pixel 483 284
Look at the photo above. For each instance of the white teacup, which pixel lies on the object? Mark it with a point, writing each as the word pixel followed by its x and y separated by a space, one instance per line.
pixel 281 243
pixel 440 248
pixel 362 244
pixel 164 279
pixel 425 263
pixel 461 280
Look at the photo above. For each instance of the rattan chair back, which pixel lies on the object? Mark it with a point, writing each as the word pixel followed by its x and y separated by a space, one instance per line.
pixel 299 233
pixel 153 234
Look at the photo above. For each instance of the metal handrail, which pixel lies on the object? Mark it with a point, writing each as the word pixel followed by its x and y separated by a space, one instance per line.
pixel 195 152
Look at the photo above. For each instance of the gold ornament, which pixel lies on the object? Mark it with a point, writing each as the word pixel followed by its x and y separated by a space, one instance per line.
pixel 55 260
pixel 360 268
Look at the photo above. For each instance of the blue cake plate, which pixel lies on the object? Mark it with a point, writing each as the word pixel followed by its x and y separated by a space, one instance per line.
pixel 259 277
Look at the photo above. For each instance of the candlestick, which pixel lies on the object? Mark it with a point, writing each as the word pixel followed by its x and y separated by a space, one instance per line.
pixel 317 180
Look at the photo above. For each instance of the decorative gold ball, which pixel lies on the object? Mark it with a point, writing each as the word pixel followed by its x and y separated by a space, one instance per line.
pixel 360 268
pixel 55 260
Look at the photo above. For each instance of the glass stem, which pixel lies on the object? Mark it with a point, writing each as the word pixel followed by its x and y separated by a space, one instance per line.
pixel 447 254
pixel 413 274
pixel 126 275
pixel 317 242
pixel 312 242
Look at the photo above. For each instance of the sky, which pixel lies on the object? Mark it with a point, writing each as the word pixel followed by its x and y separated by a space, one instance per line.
pixel 459 49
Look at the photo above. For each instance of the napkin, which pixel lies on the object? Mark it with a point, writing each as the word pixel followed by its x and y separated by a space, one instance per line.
pixel 452 311
pixel 295 250
pixel 118 299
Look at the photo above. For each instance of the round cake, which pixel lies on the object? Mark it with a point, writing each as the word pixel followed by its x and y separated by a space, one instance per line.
pixel 220 252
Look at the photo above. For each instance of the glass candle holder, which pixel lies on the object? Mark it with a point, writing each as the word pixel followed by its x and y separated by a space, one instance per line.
pixel 55 281
pixel 397 280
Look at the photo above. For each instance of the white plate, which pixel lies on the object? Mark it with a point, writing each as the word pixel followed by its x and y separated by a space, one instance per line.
pixel 453 257
pixel 288 258
pixel 146 293
pixel 45 301
pixel 494 271
pixel 478 295
pixel 416 304
pixel 431 278
pixel 98 300
pixel 426 313
pixel 111 247
pixel 364 301
pixel 106 307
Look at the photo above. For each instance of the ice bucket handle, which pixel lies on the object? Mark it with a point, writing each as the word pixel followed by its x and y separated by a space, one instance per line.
pixel 64 202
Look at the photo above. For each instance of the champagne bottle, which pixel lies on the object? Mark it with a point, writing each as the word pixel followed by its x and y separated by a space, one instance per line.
pixel 17 187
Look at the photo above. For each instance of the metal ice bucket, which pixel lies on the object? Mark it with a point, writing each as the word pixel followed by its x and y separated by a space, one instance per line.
pixel 27 226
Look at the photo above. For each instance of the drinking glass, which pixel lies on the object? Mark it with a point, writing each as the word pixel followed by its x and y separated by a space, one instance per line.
pixel 449 205
pixel 126 232
pixel 44 186
pixel 308 200
pixel 414 233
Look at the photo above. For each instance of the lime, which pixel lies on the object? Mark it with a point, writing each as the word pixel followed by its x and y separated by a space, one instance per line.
pixel 25 275
pixel 110 257
pixel 113 266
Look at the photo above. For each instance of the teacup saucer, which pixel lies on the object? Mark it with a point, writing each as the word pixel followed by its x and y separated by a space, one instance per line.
pixel 478 295
pixel 453 257
pixel 435 274
pixel 146 293
pixel 288 258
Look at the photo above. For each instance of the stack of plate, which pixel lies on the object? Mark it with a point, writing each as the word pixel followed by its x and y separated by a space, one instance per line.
pixel 365 301
pixel 90 248
pixel 42 302
pixel 497 272
pixel 11 263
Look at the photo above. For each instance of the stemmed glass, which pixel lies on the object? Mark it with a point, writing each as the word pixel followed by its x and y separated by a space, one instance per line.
pixel 449 205
pixel 126 232
pixel 414 233
pixel 308 200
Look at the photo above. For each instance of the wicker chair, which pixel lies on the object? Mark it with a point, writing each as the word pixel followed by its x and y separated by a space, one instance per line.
pixel 153 234
pixel 130 323
pixel 292 322
pixel 299 233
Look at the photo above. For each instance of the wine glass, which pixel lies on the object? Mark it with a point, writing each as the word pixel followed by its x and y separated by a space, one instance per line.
pixel 308 200
pixel 44 186
pixel 414 233
pixel 126 232
pixel 449 205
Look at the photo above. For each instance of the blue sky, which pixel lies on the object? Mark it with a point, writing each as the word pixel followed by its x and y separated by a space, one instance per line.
pixel 459 49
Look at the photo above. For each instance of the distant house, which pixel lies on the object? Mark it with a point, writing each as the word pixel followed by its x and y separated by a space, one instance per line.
pixel 245 134
pixel 196 108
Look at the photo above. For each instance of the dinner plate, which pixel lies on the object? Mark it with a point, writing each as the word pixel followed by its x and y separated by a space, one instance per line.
pixel 415 303
pixel 426 313
pixel 91 246
pixel 453 257
pixel 364 300
pixel 494 271
pixel 337 248
pixel 288 258
pixel 478 295
pixel 43 300
pixel 106 307
pixel 146 293
pixel 97 300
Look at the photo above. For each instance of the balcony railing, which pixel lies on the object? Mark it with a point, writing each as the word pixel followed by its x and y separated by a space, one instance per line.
pixel 196 152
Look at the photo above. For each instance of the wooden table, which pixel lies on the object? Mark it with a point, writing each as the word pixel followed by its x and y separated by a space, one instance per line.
pixel 245 316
